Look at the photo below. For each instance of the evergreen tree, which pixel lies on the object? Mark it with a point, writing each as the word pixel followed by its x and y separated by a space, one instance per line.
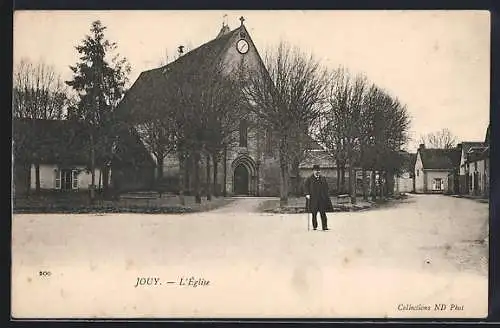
pixel 100 82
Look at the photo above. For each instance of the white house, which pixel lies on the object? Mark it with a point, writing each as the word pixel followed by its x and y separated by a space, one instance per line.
pixel 433 167
pixel 54 153
pixel 465 148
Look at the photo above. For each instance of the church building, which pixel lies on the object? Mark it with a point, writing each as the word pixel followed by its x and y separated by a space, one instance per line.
pixel 251 163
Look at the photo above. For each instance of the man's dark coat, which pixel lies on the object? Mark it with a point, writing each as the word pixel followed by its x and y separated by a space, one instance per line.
pixel 320 199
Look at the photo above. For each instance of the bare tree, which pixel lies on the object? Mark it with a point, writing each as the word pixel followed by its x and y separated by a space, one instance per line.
pixel 341 133
pixel 203 107
pixel 285 94
pixel 223 109
pixel 386 136
pixel 38 93
pixel 363 126
pixel 158 134
pixel 440 139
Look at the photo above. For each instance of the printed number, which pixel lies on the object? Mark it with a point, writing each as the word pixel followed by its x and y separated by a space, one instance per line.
pixel 44 273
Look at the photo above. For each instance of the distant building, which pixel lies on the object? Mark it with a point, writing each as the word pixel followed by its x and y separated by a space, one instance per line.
pixel 476 168
pixel 58 151
pixel 404 180
pixel 328 168
pixel 465 148
pixel 436 170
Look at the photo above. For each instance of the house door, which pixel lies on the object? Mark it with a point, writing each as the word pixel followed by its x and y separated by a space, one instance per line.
pixel 66 179
pixel 241 180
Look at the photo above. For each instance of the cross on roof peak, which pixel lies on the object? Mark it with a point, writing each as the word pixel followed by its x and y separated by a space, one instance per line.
pixel 242 19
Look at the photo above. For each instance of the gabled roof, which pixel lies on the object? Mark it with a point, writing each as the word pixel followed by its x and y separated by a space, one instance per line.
pixel 440 159
pixel 313 144
pixel 130 150
pixel 67 142
pixel 51 141
pixel 320 157
pixel 477 153
pixel 150 86
pixel 467 145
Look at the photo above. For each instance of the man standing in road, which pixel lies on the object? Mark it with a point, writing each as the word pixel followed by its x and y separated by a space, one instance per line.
pixel 317 198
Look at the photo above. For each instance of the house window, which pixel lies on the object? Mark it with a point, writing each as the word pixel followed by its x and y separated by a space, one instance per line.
pixel 437 184
pixel 66 179
pixel 57 183
pixel 75 179
pixel 243 133
pixel 475 166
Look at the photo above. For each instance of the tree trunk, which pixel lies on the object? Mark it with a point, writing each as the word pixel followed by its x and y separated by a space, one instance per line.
pixel 99 183
pixel 215 188
pixel 92 168
pixel 207 179
pixel 373 185
pixel 28 179
pixel 283 174
pixel 352 182
pixel 188 165
pixel 342 179
pixel 182 165
pixel 296 173
pixel 105 179
pixel 37 177
pixel 338 177
pixel 224 188
pixel 365 191
pixel 384 188
pixel 389 184
pixel 160 159
pixel 352 174
pixel 381 185
pixel 196 164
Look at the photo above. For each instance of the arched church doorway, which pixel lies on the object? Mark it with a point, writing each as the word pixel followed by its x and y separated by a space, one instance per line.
pixel 241 180
pixel 245 176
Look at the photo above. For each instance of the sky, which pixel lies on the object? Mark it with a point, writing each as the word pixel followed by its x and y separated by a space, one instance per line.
pixel 435 62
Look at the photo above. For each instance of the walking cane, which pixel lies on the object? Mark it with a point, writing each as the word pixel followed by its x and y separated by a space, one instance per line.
pixel 308 229
pixel 307 212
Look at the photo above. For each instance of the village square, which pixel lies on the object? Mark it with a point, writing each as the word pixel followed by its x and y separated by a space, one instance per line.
pixel 192 174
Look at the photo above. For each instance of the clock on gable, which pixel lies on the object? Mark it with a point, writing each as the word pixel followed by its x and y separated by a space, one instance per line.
pixel 242 46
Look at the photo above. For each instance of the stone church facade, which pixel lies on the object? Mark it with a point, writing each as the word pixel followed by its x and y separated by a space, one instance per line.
pixel 251 162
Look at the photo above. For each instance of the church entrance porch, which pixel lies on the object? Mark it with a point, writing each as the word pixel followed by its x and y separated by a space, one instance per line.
pixel 244 178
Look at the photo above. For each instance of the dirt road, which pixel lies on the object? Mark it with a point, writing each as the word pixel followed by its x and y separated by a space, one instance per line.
pixel 376 263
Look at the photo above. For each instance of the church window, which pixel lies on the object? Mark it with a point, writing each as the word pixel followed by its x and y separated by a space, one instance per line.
pixel 243 133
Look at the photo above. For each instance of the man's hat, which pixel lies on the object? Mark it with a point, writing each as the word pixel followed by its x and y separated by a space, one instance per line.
pixel 315 167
